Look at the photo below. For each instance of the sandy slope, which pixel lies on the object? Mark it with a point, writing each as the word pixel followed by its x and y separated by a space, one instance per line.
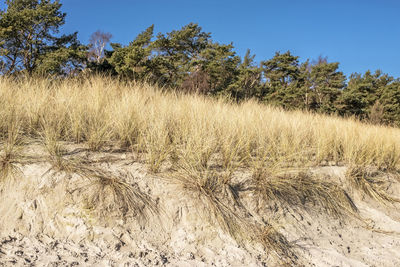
pixel 44 222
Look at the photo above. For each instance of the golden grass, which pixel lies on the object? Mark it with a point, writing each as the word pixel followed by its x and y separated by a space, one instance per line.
pixel 300 189
pixel 371 182
pixel 99 111
pixel 218 200
pixel 10 153
pixel 110 193
pixel 214 193
pixel 204 141
pixel 107 193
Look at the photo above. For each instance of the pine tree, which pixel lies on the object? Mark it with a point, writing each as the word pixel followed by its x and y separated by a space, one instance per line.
pixel 362 92
pixel 281 75
pixel 220 62
pixel 28 40
pixel 177 53
pixel 390 101
pixel 247 82
pixel 326 84
pixel 134 61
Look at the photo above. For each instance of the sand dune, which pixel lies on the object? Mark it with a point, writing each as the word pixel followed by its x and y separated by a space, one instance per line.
pixel 45 222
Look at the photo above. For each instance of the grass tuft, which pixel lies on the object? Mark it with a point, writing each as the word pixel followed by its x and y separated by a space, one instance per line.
pixel 371 182
pixel 110 194
pixel 299 189
pixel 274 241
pixel 211 189
pixel 221 202
pixel 10 153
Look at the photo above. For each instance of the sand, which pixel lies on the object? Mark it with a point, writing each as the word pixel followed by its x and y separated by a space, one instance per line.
pixel 44 222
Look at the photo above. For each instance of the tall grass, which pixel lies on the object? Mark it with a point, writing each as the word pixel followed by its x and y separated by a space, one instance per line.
pixel 10 153
pixel 101 111
pixel 203 141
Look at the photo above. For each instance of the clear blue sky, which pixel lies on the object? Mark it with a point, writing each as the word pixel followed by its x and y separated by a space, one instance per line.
pixel 360 34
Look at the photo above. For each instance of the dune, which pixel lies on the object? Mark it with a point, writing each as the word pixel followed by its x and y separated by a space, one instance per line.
pixel 97 172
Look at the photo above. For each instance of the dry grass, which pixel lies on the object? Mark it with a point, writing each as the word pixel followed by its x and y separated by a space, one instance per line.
pixel 215 194
pixel 203 141
pixel 113 194
pixel 300 189
pixel 106 193
pixel 218 200
pixel 10 154
pixel 275 242
pixel 371 182
pixel 100 111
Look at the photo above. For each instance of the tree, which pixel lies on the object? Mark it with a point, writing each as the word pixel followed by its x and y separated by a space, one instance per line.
pixel 305 94
pixel 326 84
pixel 281 70
pixel 390 101
pixel 63 60
pixel 28 38
pixel 281 79
pixel 184 59
pixel 98 41
pixel 362 93
pixel 198 81
pixel 247 82
pixel 177 53
pixel 320 60
pixel 135 60
pixel 220 62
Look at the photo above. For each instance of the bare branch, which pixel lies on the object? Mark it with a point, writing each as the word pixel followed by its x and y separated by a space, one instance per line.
pixel 98 40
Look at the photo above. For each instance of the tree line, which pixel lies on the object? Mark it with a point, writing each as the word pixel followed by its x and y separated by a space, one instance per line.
pixel 189 60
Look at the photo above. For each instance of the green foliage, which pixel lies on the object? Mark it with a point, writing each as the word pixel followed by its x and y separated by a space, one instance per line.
pixel 326 84
pixel 374 97
pixel 28 42
pixel 281 70
pixel 177 52
pixel 281 75
pixel 174 58
pixel 61 59
pixel 134 61
pixel 362 92
pixel 220 62
pixel 390 100
pixel 248 79
pixel 304 94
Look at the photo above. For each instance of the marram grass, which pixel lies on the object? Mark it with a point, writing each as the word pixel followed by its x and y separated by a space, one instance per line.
pixel 204 141
pixel 102 111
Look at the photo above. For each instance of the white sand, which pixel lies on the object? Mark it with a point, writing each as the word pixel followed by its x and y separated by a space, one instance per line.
pixel 43 223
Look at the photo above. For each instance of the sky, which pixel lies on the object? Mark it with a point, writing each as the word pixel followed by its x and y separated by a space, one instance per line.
pixel 360 34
